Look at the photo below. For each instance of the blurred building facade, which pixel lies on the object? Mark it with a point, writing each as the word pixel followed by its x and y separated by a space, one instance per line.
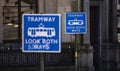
pixel 98 49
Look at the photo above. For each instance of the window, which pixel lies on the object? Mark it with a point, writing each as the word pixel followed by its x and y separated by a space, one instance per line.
pixel 12 17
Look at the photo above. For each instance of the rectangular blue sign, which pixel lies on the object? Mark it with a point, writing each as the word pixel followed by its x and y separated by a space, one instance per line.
pixel 75 23
pixel 41 33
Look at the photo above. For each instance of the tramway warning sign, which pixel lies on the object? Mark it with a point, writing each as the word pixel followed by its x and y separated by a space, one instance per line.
pixel 41 33
pixel 75 23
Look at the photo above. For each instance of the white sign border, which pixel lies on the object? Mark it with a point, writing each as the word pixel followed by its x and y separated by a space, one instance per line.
pixel 85 22
pixel 39 50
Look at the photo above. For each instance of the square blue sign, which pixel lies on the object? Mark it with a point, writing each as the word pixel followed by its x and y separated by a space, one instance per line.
pixel 41 33
pixel 75 23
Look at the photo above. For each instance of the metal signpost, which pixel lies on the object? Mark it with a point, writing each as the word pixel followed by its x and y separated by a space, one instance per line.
pixel 76 24
pixel 41 33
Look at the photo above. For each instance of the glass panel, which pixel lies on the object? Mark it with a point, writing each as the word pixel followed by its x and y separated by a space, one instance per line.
pixel 9 2
pixel 28 6
pixel 10 19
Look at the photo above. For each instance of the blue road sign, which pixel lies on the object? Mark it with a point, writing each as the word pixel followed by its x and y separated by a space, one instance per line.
pixel 75 23
pixel 41 33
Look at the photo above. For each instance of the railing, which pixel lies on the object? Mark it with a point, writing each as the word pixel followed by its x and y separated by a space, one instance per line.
pixel 14 57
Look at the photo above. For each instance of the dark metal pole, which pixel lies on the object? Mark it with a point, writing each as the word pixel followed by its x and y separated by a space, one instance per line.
pixel 40 7
pixel 76 53
pixel 78 38
pixel 1 23
pixel 41 10
pixel 19 20
pixel 41 61
pixel 81 9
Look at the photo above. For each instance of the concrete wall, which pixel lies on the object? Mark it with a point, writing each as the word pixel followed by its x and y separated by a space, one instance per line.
pixel 86 37
pixel 63 7
pixel 50 6
pixel 60 7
